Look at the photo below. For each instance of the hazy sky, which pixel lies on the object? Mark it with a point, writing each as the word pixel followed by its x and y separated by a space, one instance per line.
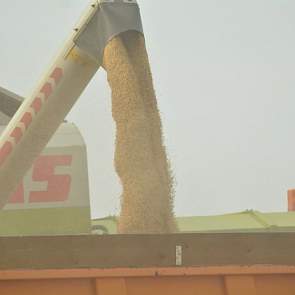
pixel 224 76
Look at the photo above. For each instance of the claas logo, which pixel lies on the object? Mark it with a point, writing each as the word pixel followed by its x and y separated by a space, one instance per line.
pixel 58 185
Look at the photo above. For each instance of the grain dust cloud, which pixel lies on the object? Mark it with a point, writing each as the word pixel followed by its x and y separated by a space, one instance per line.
pixel 140 157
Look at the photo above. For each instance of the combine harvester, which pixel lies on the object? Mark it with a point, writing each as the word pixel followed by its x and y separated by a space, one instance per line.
pixel 53 196
pixel 186 264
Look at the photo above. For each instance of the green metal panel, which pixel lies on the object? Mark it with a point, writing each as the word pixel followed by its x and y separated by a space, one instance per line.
pixel 248 221
pixel 45 221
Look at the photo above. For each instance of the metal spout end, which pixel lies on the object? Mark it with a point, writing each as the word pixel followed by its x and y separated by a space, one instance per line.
pixel 112 18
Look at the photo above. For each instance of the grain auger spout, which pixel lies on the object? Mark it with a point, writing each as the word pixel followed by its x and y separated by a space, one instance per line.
pixel 109 35
pixel 78 60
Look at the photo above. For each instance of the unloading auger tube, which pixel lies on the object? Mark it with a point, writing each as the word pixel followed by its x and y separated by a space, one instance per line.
pixel 40 114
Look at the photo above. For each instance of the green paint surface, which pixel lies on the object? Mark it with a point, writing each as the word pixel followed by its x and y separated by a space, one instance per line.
pixel 247 221
pixel 49 221
pixel 68 221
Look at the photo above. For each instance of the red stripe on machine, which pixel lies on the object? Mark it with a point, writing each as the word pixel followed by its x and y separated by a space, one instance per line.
pixel 27 119
pixel 17 134
pixel 57 74
pixel 37 104
pixel 5 151
pixel 46 89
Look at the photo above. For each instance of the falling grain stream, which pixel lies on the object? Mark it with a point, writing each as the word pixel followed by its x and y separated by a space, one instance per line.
pixel 140 156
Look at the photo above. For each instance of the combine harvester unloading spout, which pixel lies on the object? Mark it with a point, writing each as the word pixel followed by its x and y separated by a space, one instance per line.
pixel 110 29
